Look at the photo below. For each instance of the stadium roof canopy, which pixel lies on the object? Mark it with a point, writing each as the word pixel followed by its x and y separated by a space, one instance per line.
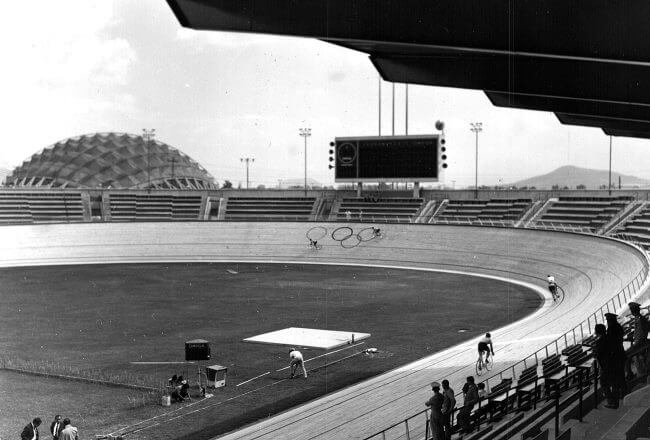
pixel 586 60
pixel 110 160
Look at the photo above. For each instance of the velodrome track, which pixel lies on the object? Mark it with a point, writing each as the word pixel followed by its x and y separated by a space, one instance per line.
pixel 590 270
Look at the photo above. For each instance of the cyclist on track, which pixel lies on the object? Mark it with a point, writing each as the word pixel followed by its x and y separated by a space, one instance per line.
pixel 376 232
pixel 313 244
pixel 485 346
pixel 552 286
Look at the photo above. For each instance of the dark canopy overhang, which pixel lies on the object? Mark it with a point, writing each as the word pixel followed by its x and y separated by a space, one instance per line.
pixel 576 57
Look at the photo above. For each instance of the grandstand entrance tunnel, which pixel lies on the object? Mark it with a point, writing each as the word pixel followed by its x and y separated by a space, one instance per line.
pixel 589 269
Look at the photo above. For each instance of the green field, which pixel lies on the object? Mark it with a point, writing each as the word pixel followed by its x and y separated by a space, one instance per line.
pixel 106 316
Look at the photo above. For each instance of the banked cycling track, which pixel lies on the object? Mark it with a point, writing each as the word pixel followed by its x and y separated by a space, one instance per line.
pixel 589 269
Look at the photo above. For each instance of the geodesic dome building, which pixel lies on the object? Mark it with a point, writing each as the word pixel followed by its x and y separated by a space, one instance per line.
pixel 111 160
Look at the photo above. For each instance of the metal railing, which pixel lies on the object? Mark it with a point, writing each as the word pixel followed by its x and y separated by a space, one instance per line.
pixel 410 429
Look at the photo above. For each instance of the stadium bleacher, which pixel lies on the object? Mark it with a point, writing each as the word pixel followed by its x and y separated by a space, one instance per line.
pixel 379 209
pixel 143 207
pixel 637 228
pixel 41 207
pixel 490 209
pixel 586 212
pixel 269 208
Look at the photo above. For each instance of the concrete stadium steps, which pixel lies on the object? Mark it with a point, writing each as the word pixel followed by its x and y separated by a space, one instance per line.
pixel 41 207
pixel 637 228
pixel 590 270
pixel 269 208
pixel 589 212
pixel 142 207
pixel 381 209
pixel 489 209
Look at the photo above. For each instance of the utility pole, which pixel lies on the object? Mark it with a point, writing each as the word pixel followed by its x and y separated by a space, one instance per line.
pixel 476 127
pixel 148 136
pixel 305 133
pixel 406 107
pixel 247 160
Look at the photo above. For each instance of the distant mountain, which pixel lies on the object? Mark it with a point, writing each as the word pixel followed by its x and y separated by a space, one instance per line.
pixel 573 176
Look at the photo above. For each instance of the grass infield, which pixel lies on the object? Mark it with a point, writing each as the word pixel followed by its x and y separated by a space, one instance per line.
pixel 106 316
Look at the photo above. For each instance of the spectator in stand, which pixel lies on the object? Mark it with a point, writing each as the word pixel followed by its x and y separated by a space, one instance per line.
pixel 604 354
pixel 69 432
pixel 448 405
pixel 56 427
pixel 470 395
pixel 482 393
pixel 436 421
pixel 616 334
pixel 639 338
pixel 30 432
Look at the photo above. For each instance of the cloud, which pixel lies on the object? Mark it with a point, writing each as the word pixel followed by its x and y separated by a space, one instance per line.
pixel 337 76
pixel 65 69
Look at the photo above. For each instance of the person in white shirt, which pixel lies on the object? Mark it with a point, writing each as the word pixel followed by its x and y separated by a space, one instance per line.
pixel 69 432
pixel 296 361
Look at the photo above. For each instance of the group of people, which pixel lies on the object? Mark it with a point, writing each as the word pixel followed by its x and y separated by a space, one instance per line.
pixel 60 430
pixel 180 388
pixel 442 405
pixel 614 361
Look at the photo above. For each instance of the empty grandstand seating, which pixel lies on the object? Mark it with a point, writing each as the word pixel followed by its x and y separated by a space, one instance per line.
pixel 142 207
pixel 396 210
pixel 637 228
pixel 269 208
pixel 40 207
pixel 492 209
pixel 587 212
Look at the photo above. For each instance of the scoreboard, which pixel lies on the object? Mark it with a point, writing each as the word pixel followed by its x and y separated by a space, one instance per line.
pixel 388 158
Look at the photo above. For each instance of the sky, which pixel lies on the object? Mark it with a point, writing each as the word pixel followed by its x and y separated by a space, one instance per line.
pixel 75 67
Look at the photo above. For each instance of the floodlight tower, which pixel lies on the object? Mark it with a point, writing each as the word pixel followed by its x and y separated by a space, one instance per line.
pixel 247 160
pixel 476 127
pixel 305 133
pixel 148 136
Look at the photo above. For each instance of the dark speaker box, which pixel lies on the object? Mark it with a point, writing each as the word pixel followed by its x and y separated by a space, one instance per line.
pixel 197 350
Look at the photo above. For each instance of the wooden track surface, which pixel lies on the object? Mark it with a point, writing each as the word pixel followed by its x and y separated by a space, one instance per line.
pixel 590 270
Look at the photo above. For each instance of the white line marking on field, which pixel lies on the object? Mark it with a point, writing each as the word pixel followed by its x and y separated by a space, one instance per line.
pixel 161 363
pixel 256 377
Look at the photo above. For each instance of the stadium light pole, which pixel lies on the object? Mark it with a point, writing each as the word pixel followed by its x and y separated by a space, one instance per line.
pixel 476 127
pixel 247 160
pixel 406 110
pixel 379 105
pixel 148 136
pixel 305 133
pixel 609 184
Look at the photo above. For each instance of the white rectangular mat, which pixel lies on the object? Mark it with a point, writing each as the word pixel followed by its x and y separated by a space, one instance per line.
pixel 309 337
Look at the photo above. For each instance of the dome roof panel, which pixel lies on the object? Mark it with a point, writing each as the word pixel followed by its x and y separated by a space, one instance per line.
pixel 119 160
